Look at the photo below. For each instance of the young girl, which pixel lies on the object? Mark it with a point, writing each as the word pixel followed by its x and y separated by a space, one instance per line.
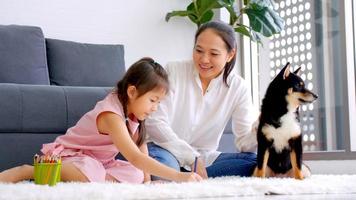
pixel 116 124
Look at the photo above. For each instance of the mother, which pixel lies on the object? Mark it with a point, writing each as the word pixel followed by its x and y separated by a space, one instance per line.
pixel 205 94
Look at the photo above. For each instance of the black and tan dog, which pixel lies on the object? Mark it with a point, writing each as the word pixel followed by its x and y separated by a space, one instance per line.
pixel 279 135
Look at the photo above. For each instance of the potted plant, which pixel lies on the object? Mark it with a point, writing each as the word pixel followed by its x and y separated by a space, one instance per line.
pixel 263 19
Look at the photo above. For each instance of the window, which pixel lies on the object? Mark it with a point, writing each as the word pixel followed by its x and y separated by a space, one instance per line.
pixel 319 37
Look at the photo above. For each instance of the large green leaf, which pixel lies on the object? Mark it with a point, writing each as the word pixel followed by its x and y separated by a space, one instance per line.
pixel 263 3
pixel 181 13
pixel 204 9
pixel 244 30
pixel 207 16
pixel 205 5
pixel 229 6
pixel 193 15
pixel 226 2
pixel 190 13
pixel 255 36
pixel 264 20
pixel 198 11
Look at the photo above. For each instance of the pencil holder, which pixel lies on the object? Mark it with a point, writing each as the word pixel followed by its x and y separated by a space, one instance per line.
pixel 47 173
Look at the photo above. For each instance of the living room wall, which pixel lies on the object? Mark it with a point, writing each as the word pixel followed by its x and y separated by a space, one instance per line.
pixel 138 24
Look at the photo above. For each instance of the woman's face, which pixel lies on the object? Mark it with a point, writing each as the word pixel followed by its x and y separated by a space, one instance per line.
pixel 210 55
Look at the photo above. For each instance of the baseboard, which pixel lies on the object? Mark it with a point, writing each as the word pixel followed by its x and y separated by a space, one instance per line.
pixel 332 166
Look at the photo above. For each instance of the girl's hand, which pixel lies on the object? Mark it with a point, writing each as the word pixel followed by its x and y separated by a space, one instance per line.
pixel 189 177
pixel 201 170
pixel 147 178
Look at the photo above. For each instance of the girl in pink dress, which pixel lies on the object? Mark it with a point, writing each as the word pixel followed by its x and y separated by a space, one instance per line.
pixel 115 125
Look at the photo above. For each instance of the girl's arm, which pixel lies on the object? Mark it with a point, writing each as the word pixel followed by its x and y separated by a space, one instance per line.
pixel 144 149
pixel 114 125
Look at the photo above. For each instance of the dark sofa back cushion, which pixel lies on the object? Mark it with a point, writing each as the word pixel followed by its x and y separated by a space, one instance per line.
pixel 23 55
pixel 80 64
pixel 45 109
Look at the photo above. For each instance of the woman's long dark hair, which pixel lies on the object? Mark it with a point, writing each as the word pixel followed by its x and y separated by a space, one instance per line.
pixel 145 75
pixel 227 34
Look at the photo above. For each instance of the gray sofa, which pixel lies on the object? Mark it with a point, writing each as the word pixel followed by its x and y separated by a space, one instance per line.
pixel 46 85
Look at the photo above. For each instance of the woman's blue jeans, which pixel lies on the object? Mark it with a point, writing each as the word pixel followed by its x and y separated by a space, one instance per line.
pixel 226 164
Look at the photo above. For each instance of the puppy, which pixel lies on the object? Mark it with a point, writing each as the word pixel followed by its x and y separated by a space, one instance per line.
pixel 279 134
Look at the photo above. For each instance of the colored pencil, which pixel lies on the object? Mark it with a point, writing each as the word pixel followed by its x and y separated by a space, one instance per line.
pixel 195 164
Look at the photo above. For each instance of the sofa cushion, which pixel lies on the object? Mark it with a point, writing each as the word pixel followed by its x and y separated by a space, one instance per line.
pixel 23 55
pixel 43 108
pixel 18 148
pixel 32 108
pixel 80 64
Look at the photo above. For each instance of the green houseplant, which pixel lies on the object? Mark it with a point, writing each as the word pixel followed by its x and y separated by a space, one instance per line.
pixel 263 19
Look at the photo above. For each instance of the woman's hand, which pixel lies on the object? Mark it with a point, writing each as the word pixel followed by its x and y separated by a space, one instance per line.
pixel 181 177
pixel 157 182
pixel 189 177
pixel 201 170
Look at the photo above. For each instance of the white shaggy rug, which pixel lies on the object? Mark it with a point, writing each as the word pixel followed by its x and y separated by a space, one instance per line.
pixel 212 188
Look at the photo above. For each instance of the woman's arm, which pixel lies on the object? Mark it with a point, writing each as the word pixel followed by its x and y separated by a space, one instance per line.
pixel 158 126
pixel 160 132
pixel 243 116
pixel 115 126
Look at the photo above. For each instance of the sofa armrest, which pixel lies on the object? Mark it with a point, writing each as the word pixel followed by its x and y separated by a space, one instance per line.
pixel 44 108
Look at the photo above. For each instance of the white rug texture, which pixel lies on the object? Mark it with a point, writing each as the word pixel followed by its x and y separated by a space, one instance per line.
pixel 211 188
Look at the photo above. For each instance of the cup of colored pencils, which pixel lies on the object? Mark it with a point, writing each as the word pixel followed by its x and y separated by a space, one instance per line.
pixel 47 169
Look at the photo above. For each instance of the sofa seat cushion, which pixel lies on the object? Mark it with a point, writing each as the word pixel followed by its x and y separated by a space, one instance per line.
pixel 19 148
pixel 80 64
pixel 23 55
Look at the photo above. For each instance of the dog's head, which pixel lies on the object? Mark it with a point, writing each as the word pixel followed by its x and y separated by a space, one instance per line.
pixel 293 87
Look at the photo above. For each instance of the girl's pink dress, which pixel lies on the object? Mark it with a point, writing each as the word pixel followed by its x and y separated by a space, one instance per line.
pixel 93 153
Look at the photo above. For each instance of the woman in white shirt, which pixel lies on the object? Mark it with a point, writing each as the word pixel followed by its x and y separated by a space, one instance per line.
pixel 205 93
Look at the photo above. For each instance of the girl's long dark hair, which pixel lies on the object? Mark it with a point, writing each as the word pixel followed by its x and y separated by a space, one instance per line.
pixel 227 34
pixel 145 75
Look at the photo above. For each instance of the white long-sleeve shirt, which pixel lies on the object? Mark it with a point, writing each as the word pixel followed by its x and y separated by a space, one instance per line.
pixel 188 123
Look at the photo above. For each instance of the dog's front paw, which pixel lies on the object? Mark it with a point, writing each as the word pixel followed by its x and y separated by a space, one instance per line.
pixel 298 175
pixel 259 173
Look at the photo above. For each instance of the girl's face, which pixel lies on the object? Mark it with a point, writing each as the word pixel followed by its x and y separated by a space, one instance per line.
pixel 210 55
pixel 144 105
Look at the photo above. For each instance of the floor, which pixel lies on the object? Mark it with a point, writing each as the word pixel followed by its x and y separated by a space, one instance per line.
pixel 292 197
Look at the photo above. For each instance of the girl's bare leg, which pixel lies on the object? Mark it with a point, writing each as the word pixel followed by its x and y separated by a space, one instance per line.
pixel 16 174
pixel 71 173
pixel 25 172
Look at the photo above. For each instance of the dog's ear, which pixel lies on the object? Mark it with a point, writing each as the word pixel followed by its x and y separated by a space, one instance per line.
pixel 297 71
pixel 285 71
